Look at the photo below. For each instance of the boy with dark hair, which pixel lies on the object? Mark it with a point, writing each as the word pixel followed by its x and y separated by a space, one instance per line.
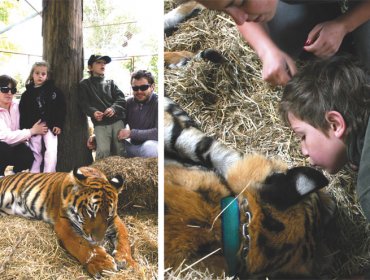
pixel 105 104
pixel 327 104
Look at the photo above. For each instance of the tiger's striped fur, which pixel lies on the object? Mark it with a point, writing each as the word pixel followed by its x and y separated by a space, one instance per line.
pixel 82 207
pixel 288 212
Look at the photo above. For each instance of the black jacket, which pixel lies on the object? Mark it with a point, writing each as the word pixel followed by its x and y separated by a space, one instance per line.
pixel 45 102
pixel 98 94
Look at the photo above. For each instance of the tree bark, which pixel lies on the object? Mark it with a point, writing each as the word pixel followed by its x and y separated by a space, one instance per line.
pixel 63 50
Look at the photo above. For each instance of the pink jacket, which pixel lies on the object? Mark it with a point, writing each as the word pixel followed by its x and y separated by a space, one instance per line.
pixel 9 126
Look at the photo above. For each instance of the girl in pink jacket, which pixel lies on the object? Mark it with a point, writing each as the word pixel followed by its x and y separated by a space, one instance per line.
pixel 14 148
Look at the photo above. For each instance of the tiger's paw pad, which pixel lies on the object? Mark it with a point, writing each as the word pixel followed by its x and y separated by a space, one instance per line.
pixel 101 263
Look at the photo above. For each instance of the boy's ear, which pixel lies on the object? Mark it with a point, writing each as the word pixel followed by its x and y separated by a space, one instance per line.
pixel 337 123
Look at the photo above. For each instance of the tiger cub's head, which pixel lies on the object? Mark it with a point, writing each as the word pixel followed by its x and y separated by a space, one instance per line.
pixel 90 202
pixel 286 217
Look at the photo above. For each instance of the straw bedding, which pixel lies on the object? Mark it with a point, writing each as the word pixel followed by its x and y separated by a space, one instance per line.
pixel 140 180
pixel 232 103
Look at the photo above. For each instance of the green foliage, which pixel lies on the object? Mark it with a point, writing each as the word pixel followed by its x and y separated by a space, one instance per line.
pixel 105 29
pixel 4 8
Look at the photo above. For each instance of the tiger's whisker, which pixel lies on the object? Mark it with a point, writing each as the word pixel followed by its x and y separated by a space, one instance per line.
pixel 210 254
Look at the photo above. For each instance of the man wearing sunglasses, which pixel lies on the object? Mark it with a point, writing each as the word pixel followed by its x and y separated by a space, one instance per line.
pixel 141 137
pixel 13 140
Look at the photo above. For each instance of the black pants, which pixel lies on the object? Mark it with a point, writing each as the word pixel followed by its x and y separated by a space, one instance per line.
pixel 20 156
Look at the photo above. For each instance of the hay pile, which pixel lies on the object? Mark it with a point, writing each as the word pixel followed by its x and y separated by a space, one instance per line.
pixel 232 103
pixel 141 180
pixel 30 250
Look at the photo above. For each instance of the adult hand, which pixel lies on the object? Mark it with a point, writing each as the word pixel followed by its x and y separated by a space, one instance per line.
pixel 98 115
pixel 325 39
pixel 39 128
pixel 56 130
pixel 91 143
pixel 278 67
pixel 109 112
pixel 124 134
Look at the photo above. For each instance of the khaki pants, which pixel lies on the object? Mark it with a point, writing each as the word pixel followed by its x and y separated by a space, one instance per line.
pixel 107 143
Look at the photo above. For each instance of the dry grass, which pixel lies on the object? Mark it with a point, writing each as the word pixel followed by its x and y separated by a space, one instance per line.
pixel 141 180
pixel 232 104
pixel 30 250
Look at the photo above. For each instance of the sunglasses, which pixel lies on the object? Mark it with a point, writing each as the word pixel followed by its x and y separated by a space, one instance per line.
pixel 142 87
pixel 7 89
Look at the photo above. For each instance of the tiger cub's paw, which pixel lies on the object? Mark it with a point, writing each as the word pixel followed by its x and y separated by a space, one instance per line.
pixel 100 261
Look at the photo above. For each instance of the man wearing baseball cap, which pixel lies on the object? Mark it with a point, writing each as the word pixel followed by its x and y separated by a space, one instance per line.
pixel 104 103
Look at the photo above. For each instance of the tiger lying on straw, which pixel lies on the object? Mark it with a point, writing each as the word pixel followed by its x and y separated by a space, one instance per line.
pixel 82 207
pixel 273 217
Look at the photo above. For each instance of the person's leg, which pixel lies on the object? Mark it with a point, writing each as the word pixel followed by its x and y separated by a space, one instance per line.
pixel 5 158
pixel 291 24
pixel 118 146
pixel 103 136
pixel 51 151
pixel 22 157
pixel 131 150
pixel 36 148
pixel 149 149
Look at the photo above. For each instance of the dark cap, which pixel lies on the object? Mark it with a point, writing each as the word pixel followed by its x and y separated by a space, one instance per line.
pixel 95 57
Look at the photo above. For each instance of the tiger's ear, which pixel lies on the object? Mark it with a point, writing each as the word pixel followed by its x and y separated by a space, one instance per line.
pixel 283 190
pixel 117 182
pixel 78 174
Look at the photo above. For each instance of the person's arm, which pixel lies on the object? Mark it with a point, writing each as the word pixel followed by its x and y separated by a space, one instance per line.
pixel 325 38
pixel 84 100
pixel 363 178
pixel 14 137
pixel 61 109
pixel 277 66
pixel 144 134
pixel 119 105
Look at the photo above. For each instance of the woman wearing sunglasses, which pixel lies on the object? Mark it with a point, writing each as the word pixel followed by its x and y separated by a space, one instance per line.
pixel 14 148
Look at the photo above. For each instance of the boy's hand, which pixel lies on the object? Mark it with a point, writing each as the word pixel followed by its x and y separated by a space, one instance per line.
pixel 109 112
pixel 56 130
pixel 98 115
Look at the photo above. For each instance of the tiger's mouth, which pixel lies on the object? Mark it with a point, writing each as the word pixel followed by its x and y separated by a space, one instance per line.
pixel 93 241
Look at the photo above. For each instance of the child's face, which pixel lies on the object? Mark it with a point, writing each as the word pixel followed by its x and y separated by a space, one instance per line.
pixel 39 75
pixel 325 151
pixel 98 67
pixel 244 10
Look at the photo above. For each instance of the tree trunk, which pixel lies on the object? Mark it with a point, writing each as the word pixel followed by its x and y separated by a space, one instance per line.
pixel 62 44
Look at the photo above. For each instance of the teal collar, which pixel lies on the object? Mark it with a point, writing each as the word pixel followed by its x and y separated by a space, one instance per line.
pixel 230 232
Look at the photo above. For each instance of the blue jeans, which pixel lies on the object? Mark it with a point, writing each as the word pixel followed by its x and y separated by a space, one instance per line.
pixel 147 149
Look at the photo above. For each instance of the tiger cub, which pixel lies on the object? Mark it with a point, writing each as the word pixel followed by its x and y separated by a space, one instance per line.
pixel 271 227
pixel 82 207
